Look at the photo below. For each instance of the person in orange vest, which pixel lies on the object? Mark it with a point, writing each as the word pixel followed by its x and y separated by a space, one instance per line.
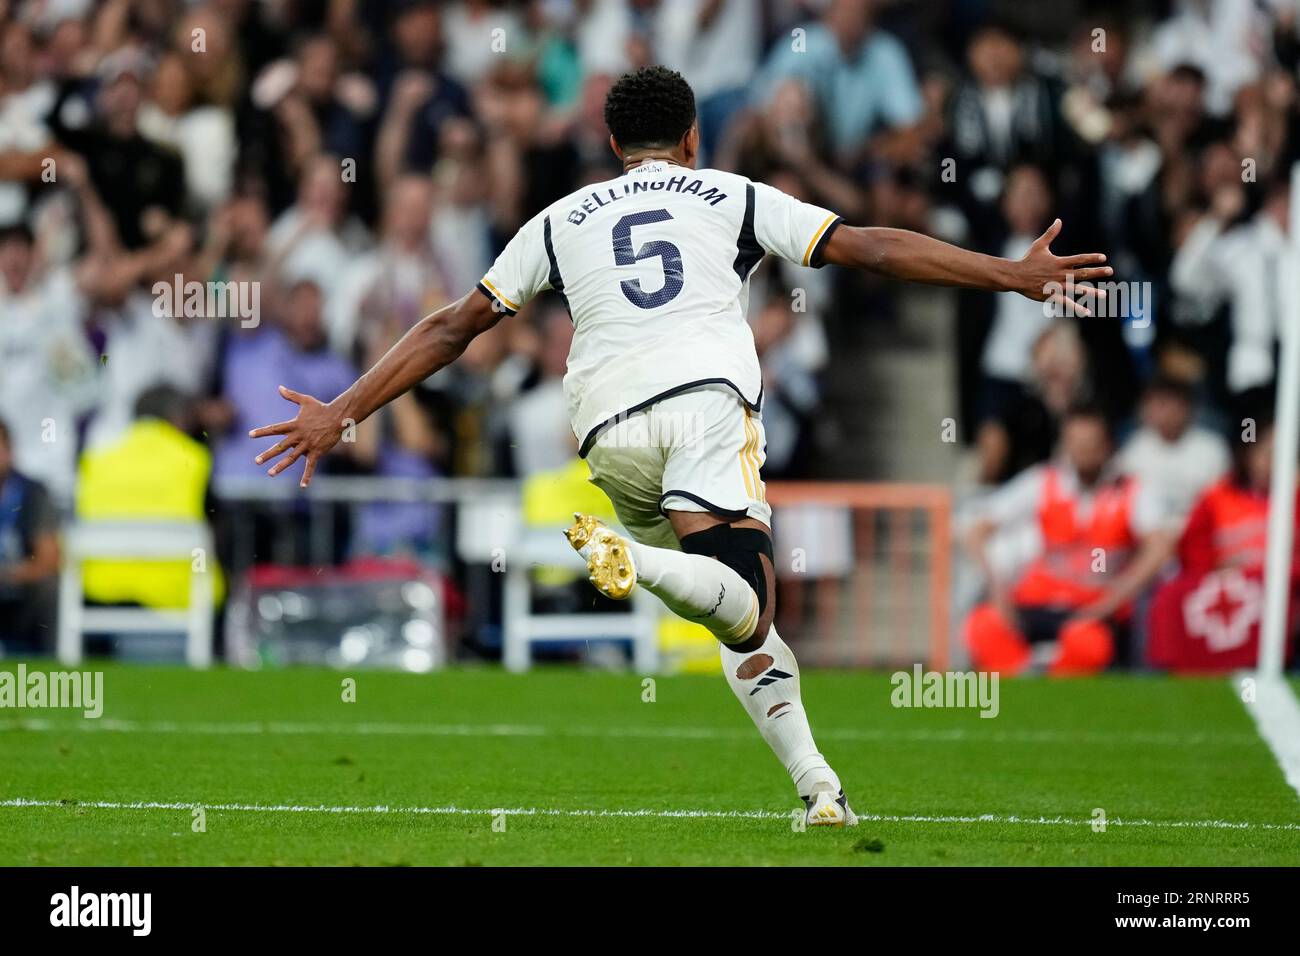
pixel 1103 539
pixel 1208 617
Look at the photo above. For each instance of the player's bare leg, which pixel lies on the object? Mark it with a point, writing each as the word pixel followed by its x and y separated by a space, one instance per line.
pixel 760 668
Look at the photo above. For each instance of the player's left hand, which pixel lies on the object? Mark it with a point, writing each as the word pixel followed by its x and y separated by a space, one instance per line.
pixel 316 429
pixel 1045 277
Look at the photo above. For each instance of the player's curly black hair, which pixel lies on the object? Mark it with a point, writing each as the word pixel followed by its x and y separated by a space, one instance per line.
pixel 652 107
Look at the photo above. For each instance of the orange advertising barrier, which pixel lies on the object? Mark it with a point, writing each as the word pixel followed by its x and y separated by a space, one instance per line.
pixel 863 572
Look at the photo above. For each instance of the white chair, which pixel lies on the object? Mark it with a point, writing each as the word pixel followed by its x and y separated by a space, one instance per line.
pixel 136 540
pixel 523 628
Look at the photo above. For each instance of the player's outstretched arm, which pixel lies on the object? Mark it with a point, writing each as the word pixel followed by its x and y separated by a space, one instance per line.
pixel 900 254
pixel 434 341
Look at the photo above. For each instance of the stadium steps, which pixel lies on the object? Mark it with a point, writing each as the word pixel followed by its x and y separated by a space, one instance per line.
pixel 888 388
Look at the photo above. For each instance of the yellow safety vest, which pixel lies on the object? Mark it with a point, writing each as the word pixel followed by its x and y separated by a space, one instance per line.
pixel 153 473
pixel 551 497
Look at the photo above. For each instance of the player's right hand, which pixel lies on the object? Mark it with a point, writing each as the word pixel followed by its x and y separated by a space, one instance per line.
pixel 313 432
pixel 1046 277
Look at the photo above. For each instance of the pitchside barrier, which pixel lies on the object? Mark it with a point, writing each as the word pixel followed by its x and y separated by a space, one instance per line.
pixel 863 572
pixel 863 569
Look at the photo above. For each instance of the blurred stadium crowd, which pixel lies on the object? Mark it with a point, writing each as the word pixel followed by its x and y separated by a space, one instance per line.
pixel 351 166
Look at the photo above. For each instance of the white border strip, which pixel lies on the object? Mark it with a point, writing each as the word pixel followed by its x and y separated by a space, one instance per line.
pixel 1277 717
pixel 24 803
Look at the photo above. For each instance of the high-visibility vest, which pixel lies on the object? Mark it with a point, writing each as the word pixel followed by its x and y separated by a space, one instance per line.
pixel 154 472
pixel 551 497
pixel 1240 520
pixel 1208 617
pixel 1080 556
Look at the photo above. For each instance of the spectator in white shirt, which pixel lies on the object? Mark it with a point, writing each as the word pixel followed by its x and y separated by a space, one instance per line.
pixel 315 239
pixel 1170 454
pixel 715 44
pixel 203 135
pixel 478 32
pixel 1252 267
pixel 1225 39
pixel 25 139
pixel 601 31
pixel 146 346
pixel 540 437
pixel 1007 360
pixel 461 222
pixel 47 372
pixel 398 282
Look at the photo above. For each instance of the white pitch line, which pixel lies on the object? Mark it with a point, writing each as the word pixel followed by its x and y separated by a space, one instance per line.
pixel 1277 717
pixel 1016 819
pixel 950 735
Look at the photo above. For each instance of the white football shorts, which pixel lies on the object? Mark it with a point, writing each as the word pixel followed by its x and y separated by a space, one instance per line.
pixel 694 451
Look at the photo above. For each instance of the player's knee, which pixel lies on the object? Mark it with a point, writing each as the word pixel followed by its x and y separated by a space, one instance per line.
pixel 754 642
pixel 742 550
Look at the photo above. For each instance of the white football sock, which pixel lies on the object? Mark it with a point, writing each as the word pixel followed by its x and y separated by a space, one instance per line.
pixel 698 588
pixel 766 681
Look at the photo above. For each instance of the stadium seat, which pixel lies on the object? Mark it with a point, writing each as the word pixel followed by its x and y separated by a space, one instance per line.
pixel 136 541
pixel 523 627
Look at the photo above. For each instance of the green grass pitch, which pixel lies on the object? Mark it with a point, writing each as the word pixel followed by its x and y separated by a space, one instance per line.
pixel 1175 765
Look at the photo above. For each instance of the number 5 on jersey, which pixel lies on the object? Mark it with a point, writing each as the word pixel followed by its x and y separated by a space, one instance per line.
pixel 669 255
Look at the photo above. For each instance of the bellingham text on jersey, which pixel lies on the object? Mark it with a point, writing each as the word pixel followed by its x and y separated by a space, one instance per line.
pixel 611 195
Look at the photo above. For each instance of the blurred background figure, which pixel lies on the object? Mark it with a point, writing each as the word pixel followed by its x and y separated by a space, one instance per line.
pixel 1003 115
pixel 29 559
pixel 1170 452
pixel 1245 266
pixel 203 134
pixel 49 373
pixel 153 472
pixel 715 44
pixel 316 238
pixel 291 352
pixel 1207 618
pixel 1104 538
pixel 863 84
pixel 1025 431
pixel 397 283
pixel 1005 365
pixel 539 438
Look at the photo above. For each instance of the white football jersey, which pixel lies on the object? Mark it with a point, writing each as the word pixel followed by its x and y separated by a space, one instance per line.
pixel 654 267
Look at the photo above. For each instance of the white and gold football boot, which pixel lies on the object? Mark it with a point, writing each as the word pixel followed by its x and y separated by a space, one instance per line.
pixel 828 808
pixel 609 559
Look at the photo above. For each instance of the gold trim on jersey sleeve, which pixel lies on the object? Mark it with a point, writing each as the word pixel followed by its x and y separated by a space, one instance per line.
pixel 817 237
pixel 493 289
